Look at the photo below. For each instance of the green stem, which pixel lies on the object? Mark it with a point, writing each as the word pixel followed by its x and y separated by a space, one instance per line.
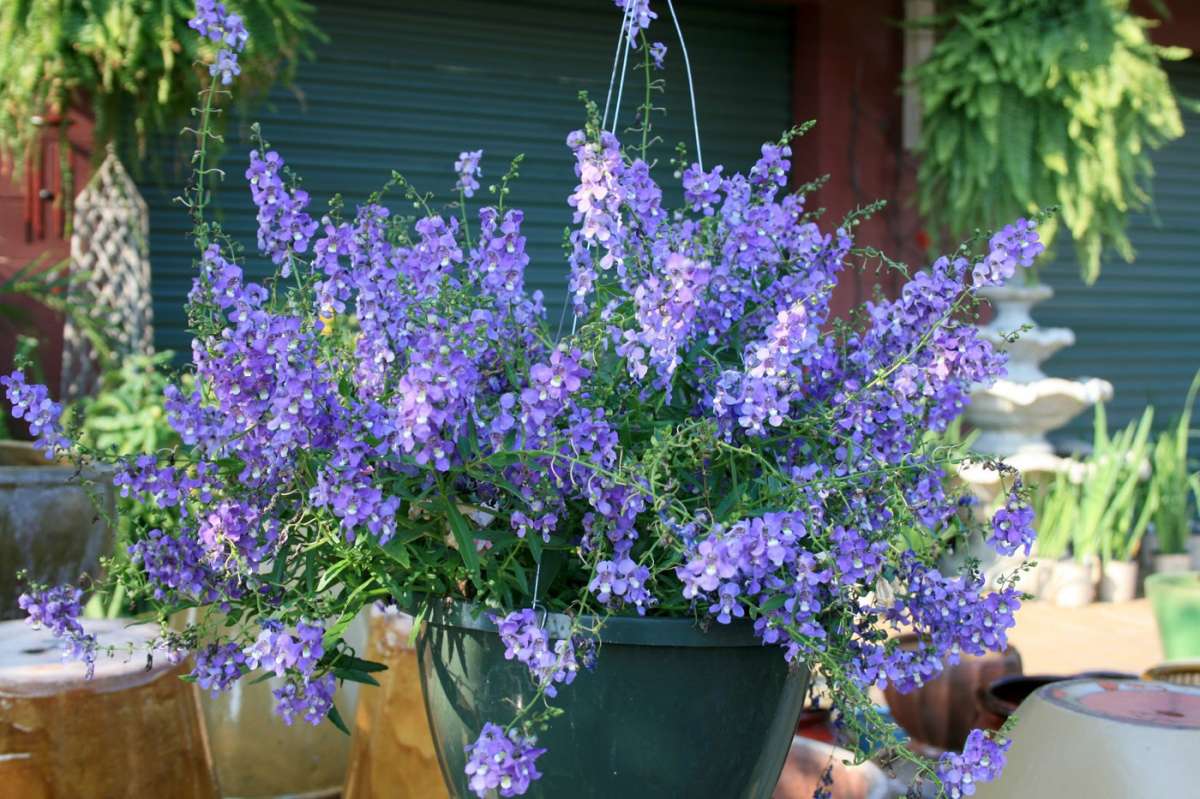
pixel 647 106
pixel 462 207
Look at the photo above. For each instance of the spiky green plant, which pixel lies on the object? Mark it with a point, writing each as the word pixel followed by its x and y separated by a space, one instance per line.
pixel 1099 511
pixel 1174 484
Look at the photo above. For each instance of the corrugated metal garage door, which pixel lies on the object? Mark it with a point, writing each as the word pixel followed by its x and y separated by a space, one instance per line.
pixel 408 85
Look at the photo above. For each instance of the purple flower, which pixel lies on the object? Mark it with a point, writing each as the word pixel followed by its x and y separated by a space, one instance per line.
pixel 218 666
pixel 58 610
pixel 1015 245
pixel 33 404
pixel 527 642
pixel 623 582
pixel 639 15
pixel 280 651
pixel 658 52
pixel 982 760
pixel 597 202
pixel 283 225
pixel 1012 525
pixel 214 22
pixel 467 167
pixel 226 67
pixel 770 172
pixel 311 698
pixel 701 190
pixel 505 763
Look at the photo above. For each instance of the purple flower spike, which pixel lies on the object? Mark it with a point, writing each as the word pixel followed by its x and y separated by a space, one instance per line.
pixel 505 763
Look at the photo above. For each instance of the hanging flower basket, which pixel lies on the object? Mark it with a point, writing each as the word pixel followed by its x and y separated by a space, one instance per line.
pixel 636 727
pixel 668 510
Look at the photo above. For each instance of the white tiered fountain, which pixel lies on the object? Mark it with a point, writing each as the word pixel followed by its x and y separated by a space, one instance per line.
pixel 1013 416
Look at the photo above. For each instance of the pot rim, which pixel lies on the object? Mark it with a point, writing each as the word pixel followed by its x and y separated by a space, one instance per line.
pixel 625 630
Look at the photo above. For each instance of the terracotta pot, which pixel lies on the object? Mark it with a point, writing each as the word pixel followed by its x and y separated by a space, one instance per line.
pixel 816 724
pixel 1001 698
pixel 1119 581
pixel 392 756
pixel 942 712
pixel 808 762
pixel 133 730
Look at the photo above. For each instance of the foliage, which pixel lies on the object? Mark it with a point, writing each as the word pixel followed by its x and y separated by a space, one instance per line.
pixel 388 418
pixel 1175 485
pixel 1099 508
pixel 125 416
pixel 134 63
pixel 1040 103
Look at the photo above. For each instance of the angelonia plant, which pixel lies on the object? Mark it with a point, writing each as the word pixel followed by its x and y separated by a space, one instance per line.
pixel 390 418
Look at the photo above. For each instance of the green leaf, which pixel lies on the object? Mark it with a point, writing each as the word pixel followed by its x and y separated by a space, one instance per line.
pixel 335 718
pixel 354 675
pixel 463 536
pixel 351 662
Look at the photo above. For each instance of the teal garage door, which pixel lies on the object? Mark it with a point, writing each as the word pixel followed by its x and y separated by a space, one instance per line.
pixel 406 86
pixel 1139 325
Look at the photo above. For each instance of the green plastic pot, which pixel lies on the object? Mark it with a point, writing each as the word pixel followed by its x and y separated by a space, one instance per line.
pixel 1176 601
pixel 670 710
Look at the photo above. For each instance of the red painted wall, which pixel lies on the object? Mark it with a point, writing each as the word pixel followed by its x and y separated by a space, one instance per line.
pixel 849 57
pixel 31 226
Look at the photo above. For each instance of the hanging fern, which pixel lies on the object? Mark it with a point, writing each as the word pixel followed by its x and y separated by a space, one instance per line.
pixel 1032 103
pixel 133 63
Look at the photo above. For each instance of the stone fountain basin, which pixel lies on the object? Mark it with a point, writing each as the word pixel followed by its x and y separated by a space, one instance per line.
pixel 1034 407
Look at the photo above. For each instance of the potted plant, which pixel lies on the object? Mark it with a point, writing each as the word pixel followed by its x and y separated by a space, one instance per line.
pixel 1174 487
pixel 703 462
pixel 1115 508
pixel 1097 512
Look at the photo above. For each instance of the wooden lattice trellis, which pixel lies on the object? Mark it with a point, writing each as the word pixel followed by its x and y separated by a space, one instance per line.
pixel 110 257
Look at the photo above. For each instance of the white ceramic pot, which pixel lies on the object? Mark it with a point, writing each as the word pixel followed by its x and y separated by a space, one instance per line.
pixel 1103 739
pixel 1119 581
pixel 1173 563
pixel 1072 584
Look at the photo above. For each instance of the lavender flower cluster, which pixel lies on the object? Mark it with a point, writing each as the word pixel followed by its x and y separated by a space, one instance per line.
pixel 213 21
pixel 705 441
pixel 58 610
pixel 527 642
pixel 502 762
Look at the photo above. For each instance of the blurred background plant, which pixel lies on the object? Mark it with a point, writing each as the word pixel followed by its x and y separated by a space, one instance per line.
pixel 126 418
pixel 1028 104
pixel 132 63
pixel 1097 509
pixel 1175 484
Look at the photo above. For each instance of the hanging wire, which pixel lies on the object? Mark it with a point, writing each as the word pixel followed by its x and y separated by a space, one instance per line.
pixel 624 70
pixel 687 65
pixel 625 21
pixel 623 38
